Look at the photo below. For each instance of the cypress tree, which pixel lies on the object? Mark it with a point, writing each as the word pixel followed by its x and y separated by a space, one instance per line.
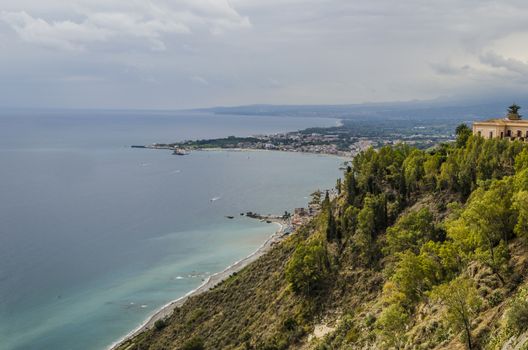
pixel 331 229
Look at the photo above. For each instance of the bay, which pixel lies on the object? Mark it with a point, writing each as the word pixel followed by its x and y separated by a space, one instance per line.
pixel 95 236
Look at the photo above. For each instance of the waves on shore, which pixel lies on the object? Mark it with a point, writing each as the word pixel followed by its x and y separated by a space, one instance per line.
pixel 209 283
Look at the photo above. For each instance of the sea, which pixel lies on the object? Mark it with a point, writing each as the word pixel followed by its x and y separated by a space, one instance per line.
pixel 95 236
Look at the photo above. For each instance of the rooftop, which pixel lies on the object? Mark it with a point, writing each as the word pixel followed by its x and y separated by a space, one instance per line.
pixel 504 121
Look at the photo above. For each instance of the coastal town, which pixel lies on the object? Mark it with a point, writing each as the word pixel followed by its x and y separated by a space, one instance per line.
pixel 344 140
pixel 315 143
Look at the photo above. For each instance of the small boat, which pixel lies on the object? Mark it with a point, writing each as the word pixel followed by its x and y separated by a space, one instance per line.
pixel 180 152
pixel 230 217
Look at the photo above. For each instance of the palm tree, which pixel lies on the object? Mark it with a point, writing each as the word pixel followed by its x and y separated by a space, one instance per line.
pixel 513 111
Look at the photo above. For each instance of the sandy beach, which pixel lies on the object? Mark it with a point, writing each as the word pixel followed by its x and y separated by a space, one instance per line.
pixel 211 281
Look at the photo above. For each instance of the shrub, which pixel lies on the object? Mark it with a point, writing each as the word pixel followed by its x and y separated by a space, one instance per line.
pixel 391 326
pixel 194 344
pixel 289 324
pixel 517 315
pixel 370 319
pixel 160 324
pixel 495 298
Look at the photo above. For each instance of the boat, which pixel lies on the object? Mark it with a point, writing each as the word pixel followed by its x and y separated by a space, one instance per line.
pixel 180 152
pixel 230 217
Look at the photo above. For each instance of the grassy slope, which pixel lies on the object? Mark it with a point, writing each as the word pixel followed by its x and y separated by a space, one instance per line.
pixel 249 310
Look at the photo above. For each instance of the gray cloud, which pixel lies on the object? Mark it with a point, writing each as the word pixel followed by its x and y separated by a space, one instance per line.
pixel 185 53
pixel 147 21
pixel 446 68
pixel 510 64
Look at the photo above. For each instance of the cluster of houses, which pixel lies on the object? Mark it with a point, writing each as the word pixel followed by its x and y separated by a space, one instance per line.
pixel 297 142
pixel 302 216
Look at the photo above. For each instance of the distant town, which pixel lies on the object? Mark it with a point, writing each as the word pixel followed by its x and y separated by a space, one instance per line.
pixel 346 140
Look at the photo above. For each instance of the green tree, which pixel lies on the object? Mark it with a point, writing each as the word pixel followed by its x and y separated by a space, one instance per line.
pixel 370 220
pixel 447 179
pixel 520 204
pixel 413 170
pixel 308 267
pixel 411 231
pixel 521 160
pixel 391 326
pixel 431 170
pixel 349 220
pixel 363 238
pixel 413 275
pixel 445 260
pixel 520 181
pixel 463 132
pixel 462 302
pixel 485 225
pixel 339 186
pixel 350 187
pixel 514 109
pixel 331 227
pixel 326 201
pixel 316 197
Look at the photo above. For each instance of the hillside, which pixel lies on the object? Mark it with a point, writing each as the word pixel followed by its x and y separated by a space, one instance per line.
pixel 420 250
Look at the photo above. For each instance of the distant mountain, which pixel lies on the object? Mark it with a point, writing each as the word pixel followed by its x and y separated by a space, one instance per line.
pixel 437 109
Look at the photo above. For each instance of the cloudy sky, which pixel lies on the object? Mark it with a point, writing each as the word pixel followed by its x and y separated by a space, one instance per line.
pixel 197 53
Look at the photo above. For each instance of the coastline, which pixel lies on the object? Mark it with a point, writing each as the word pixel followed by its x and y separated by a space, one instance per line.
pixel 212 281
pixel 218 277
pixel 220 149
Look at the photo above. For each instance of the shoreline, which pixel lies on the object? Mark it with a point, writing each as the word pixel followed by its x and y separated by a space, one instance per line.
pixel 211 281
pixel 345 157
pixel 220 149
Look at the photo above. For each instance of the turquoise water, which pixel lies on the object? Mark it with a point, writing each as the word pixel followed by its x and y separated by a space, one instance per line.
pixel 96 236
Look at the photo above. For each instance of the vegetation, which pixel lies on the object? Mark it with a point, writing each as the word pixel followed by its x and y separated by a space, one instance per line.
pixel 514 110
pixel 420 249
pixel 193 344
pixel 461 302
pixel 307 268
pixel 517 315
pixel 159 324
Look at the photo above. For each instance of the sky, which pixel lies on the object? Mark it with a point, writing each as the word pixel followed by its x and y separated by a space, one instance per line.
pixel 161 54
